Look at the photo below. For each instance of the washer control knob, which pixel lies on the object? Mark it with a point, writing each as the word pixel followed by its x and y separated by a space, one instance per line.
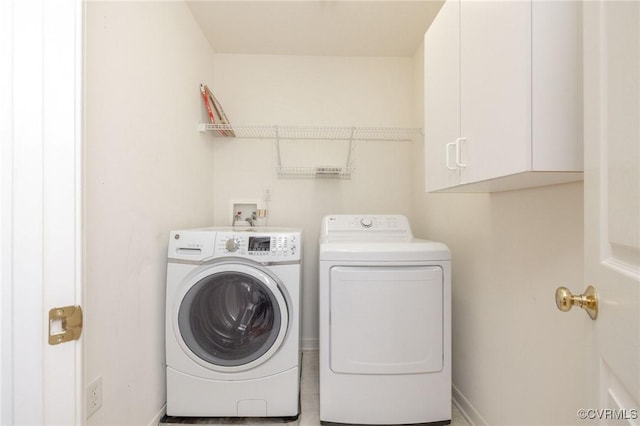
pixel 233 244
pixel 366 222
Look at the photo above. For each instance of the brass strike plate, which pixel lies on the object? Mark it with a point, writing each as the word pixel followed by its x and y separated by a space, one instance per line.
pixel 65 324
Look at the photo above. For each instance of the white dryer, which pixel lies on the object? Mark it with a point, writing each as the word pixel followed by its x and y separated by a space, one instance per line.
pixel 232 322
pixel 385 323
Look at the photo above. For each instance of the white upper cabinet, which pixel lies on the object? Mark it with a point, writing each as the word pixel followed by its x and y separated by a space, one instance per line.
pixel 503 104
pixel 442 97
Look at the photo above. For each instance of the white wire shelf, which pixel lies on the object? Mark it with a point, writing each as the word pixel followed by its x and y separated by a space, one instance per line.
pixel 258 131
pixel 312 133
pixel 314 172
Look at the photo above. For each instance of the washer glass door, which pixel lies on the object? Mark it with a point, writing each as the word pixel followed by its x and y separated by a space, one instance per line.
pixel 233 318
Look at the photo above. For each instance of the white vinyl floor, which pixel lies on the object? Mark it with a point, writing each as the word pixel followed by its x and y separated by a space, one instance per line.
pixel 309 401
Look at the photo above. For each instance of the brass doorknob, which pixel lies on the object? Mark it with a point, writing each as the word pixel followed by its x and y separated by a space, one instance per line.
pixel 588 301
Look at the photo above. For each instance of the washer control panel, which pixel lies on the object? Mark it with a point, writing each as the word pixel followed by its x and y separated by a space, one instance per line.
pixel 263 247
pixel 260 244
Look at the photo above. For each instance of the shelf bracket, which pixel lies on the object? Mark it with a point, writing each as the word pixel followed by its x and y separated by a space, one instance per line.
pixel 277 142
pixel 348 165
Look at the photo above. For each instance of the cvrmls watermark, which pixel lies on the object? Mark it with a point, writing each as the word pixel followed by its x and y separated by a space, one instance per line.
pixel 607 414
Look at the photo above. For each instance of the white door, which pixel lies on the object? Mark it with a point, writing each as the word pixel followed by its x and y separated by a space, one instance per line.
pixel 612 204
pixel 40 74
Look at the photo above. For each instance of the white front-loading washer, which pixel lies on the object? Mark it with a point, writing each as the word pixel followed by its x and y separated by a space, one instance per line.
pixel 385 323
pixel 232 322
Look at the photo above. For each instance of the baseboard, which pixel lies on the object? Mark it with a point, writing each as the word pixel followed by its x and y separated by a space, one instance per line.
pixel 309 344
pixel 471 415
pixel 159 415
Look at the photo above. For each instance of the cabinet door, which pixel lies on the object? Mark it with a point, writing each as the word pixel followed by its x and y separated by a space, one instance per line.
pixel 556 90
pixel 442 97
pixel 495 88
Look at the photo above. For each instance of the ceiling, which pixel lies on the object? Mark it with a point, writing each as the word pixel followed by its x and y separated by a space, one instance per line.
pixel 315 27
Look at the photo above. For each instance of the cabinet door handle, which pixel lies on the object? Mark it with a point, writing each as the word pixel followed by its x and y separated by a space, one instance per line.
pixel 448 156
pixel 459 162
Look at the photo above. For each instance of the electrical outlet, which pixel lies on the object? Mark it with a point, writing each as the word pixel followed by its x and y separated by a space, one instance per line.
pixel 94 396
pixel 266 193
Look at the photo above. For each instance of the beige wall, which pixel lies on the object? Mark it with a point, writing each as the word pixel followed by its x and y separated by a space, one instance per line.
pixel 147 170
pixel 325 91
pixel 516 358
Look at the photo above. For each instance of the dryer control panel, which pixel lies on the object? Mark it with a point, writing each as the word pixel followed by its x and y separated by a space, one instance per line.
pixel 392 227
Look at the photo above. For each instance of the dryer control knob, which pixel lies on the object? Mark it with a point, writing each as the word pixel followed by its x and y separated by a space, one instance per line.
pixel 233 244
pixel 366 222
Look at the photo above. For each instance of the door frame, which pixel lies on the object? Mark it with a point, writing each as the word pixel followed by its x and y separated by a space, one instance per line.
pixel 41 211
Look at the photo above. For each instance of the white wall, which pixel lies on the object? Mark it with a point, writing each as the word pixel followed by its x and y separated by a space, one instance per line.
pixel 329 91
pixel 147 170
pixel 516 358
